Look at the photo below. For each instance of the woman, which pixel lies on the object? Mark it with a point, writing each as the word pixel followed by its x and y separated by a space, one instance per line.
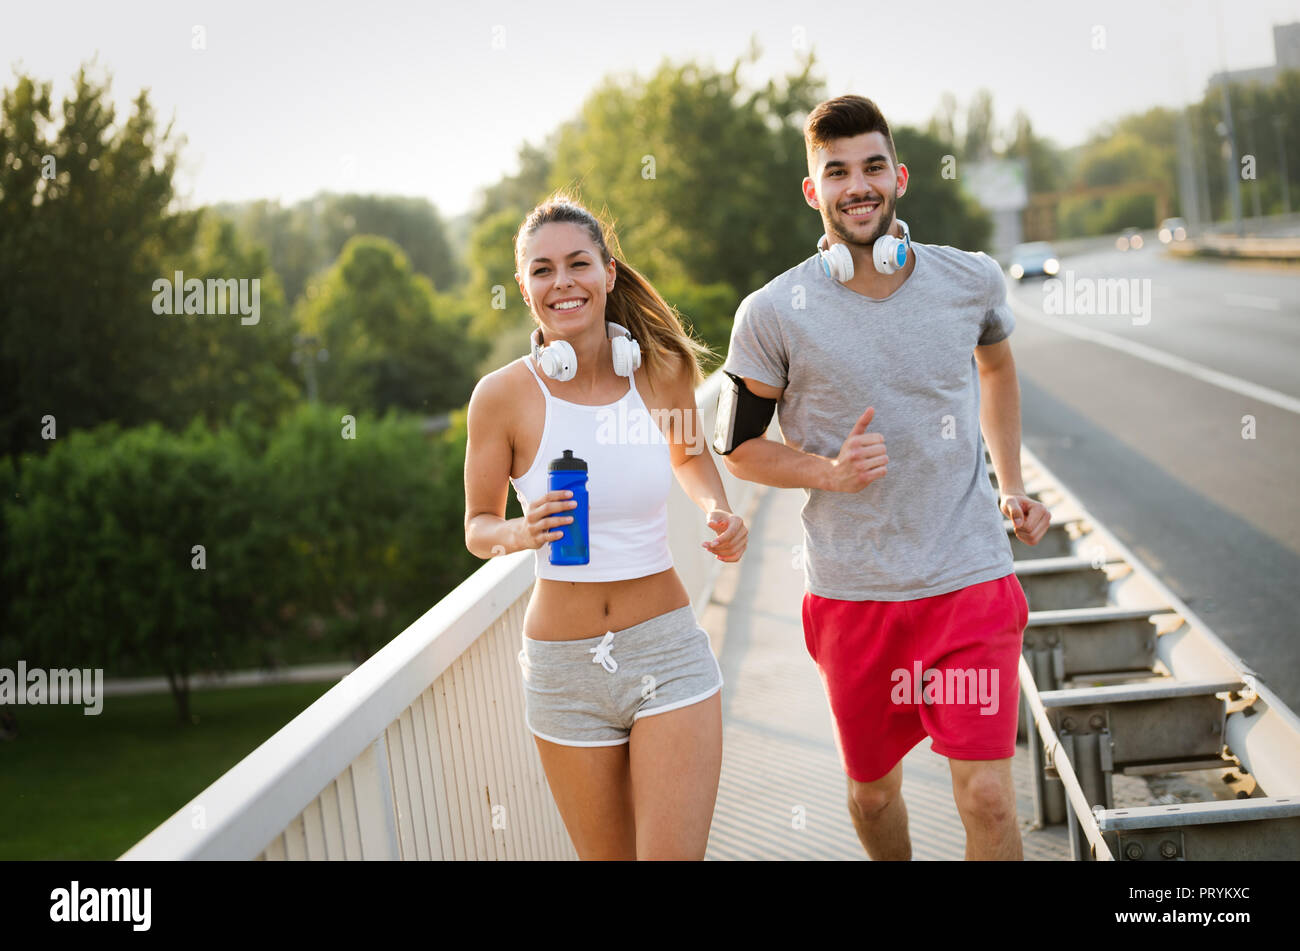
pixel 630 738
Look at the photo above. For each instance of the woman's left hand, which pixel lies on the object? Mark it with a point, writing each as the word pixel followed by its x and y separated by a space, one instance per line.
pixel 732 535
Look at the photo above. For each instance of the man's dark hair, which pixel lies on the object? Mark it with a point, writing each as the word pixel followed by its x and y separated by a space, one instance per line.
pixel 843 118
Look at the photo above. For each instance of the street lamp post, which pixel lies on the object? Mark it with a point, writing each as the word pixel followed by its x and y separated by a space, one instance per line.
pixel 1230 139
pixel 1248 118
pixel 1281 164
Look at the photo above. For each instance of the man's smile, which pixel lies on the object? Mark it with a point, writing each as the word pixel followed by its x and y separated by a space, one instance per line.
pixel 861 211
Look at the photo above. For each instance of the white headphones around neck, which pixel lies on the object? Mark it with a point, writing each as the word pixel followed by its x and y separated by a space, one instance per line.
pixel 559 362
pixel 889 254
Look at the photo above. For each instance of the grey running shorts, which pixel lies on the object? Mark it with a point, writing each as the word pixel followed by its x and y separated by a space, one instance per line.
pixel 589 692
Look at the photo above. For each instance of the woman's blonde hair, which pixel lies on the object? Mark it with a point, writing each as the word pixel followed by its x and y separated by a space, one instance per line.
pixel 634 303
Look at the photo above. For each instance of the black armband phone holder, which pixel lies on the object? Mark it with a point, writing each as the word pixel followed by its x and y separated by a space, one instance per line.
pixel 741 415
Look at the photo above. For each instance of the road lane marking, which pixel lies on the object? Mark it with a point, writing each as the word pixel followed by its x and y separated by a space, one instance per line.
pixel 1250 300
pixel 1160 358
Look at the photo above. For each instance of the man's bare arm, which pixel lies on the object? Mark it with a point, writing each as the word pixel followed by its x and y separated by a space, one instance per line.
pixel 1000 413
pixel 1000 423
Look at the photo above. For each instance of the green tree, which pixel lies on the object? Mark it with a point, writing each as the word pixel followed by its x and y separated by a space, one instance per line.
pixel 979 128
pixel 1144 147
pixel 215 361
pixel 392 342
pixel 519 192
pixel 706 310
pixel 291 236
pixel 85 226
pixel 699 174
pixel 492 264
pixel 306 238
pixel 943 124
pixel 376 534
pixel 314 531
pixel 1120 159
pixel 103 563
pixel 500 319
pixel 10 648
pixel 1044 162
pixel 1265 127
pixel 413 224
pixel 936 209
pixel 1091 216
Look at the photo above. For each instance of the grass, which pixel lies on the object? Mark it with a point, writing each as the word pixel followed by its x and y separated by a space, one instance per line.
pixel 89 787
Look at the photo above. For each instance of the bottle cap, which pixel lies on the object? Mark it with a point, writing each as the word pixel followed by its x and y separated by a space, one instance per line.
pixel 567 462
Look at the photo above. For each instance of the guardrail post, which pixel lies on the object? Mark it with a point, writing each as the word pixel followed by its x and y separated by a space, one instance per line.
pixel 1088 754
pixel 1078 848
pixel 1049 794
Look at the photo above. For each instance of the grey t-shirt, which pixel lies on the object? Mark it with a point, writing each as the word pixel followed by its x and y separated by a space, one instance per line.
pixel 931 524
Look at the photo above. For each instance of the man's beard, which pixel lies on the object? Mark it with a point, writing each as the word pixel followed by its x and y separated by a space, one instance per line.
pixel 884 218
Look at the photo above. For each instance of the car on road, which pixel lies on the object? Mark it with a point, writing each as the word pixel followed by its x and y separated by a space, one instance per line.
pixel 1035 259
pixel 1172 229
pixel 1129 240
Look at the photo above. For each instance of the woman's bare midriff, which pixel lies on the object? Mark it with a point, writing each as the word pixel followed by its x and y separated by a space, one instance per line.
pixel 571 610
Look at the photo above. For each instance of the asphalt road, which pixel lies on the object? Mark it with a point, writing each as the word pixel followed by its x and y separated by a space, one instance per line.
pixel 1158 450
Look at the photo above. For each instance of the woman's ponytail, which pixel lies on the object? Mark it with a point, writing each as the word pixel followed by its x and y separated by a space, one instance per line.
pixel 653 322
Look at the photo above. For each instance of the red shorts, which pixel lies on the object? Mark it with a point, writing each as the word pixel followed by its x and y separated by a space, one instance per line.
pixel 895 672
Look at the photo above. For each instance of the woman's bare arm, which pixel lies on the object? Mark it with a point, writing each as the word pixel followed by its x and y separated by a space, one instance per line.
pixel 696 470
pixel 489 457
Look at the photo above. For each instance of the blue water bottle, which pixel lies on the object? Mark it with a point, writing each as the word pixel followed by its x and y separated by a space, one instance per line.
pixel 570 474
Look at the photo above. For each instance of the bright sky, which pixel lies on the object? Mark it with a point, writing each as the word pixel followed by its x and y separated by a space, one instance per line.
pixel 435 98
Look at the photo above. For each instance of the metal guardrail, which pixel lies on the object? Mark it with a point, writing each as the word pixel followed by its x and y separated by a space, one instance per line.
pixel 422 751
pixel 1231 246
pixel 1119 676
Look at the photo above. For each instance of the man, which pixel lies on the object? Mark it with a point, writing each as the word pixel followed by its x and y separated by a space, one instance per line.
pixel 912 611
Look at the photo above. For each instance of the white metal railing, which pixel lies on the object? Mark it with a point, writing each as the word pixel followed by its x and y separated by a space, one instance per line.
pixel 422 751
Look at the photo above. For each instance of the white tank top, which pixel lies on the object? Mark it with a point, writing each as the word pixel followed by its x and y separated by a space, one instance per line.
pixel 629 475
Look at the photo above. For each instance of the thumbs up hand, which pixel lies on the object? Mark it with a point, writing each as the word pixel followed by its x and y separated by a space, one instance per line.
pixel 862 458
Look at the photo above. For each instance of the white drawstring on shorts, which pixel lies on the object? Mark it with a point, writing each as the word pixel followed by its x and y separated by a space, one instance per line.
pixel 601 651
